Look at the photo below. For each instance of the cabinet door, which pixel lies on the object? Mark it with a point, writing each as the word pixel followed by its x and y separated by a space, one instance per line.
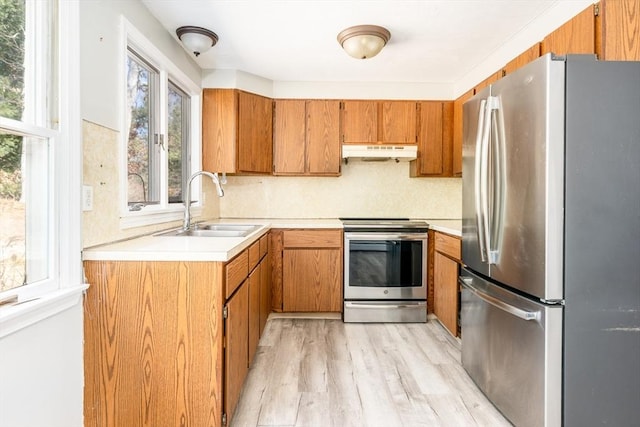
pixel 458 131
pixel 312 280
pixel 265 292
pixel 523 59
pixel 254 311
pixel 289 137
pixel 399 122
pixel 323 137
pixel 255 133
pixel 620 28
pixel 359 122
pixel 219 119
pixel 237 349
pixel 434 140
pixel 445 290
pixel 574 36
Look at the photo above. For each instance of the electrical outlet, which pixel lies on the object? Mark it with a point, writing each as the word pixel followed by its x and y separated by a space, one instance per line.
pixel 87 198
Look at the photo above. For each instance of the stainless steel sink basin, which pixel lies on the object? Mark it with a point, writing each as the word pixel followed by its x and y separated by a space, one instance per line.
pixel 213 230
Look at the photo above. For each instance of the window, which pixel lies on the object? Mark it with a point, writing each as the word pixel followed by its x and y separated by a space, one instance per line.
pixel 161 133
pixel 40 151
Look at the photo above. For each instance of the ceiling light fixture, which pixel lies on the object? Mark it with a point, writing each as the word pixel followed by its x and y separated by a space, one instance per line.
pixel 363 41
pixel 197 39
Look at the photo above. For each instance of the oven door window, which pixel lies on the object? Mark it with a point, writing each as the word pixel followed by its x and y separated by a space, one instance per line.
pixel 385 263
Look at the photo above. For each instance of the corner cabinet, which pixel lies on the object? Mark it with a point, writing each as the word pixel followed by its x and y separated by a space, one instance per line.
pixel 170 342
pixel 306 137
pixel 236 132
pixel 379 122
pixel 434 140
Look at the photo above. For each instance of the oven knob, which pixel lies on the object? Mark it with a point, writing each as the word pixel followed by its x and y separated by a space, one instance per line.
pixel 386 291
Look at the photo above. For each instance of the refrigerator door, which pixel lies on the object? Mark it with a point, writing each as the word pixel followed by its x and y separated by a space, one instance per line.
pixel 512 349
pixel 525 182
pixel 473 220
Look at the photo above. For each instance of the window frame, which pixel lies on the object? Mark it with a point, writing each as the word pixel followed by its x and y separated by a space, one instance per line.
pixel 65 284
pixel 169 74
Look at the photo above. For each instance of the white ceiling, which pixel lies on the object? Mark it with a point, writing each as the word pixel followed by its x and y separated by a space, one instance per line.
pixel 433 41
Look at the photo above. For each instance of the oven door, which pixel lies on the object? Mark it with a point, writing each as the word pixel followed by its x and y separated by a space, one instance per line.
pixel 385 266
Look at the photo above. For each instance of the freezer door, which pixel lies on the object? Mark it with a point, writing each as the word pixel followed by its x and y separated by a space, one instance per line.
pixel 472 218
pixel 525 184
pixel 512 349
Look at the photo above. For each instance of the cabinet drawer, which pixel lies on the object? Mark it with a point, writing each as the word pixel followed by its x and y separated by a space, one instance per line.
pixel 312 238
pixel 264 245
pixel 254 254
pixel 236 271
pixel 448 245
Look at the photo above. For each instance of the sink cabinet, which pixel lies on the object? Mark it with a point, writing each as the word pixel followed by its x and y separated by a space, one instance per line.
pixel 170 342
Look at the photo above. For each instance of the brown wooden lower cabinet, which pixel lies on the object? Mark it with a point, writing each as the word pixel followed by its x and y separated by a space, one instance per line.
pixel 307 270
pixel 158 350
pixel 445 281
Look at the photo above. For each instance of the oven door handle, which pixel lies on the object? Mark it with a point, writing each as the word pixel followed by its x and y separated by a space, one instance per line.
pixel 386 305
pixel 384 236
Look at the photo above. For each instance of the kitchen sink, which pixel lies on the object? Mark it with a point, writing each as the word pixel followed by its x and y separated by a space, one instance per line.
pixel 213 230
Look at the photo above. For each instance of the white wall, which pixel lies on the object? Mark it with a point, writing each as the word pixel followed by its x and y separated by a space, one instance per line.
pixel 41 374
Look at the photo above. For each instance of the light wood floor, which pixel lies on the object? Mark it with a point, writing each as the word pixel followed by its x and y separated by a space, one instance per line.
pixel 316 373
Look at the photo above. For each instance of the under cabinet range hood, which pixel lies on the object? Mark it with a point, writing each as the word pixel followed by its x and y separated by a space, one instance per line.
pixel 379 152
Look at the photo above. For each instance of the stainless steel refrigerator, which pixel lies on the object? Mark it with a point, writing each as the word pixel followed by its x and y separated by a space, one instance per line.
pixel 550 309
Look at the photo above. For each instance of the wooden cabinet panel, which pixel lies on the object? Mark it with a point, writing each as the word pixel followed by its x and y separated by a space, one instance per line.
pixel 458 131
pixel 236 132
pixel 398 122
pixel 359 122
pixel 236 347
pixel 323 137
pixel 312 238
pixel 289 136
pixel 435 149
pixel 265 292
pixel 153 344
pixel 264 245
pixel 445 306
pixel 276 245
pixel 524 58
pixel 312 280
pixel 254 254
pixel 620 26
pixel 575 36
pixel 448 245
pixel 236 271
pixel 489 80
pixel 379 122
pixel 307 137
pixel 219 127
pixel 254 311
pixel 255 133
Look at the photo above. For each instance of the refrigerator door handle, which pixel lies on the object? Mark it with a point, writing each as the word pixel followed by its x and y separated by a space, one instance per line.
pixel 484 180
pixel 496 180
pixel 478 169
pixel 518 312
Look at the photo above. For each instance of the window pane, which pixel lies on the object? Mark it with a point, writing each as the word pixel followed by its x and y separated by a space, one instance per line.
pixel 177 142
pixel 12 23
pixel 142 151
pixel 24 209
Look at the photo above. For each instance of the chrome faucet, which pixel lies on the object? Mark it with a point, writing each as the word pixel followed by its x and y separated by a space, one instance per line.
pixel 187 200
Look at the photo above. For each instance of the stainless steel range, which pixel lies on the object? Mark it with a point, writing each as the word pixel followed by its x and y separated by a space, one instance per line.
pixel 385 270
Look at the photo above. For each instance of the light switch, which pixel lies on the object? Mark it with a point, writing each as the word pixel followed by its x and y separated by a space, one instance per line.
pixel 87 198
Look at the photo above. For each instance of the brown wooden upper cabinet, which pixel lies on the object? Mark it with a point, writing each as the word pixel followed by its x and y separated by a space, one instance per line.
pixel 434 140
pixel 618 30
pixel 379 122
pixel 575 36
pixel 523 59
pixel 236 132
pixel 306 137
pixel 458 131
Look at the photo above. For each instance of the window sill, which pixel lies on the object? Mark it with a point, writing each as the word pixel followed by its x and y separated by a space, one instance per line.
pixel 18 316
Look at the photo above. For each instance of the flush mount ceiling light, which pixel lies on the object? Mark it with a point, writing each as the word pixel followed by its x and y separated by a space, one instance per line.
pixel 363 41
pixel 198 40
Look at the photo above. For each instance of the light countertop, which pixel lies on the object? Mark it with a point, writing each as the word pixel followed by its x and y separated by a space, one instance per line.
pixel 180 248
